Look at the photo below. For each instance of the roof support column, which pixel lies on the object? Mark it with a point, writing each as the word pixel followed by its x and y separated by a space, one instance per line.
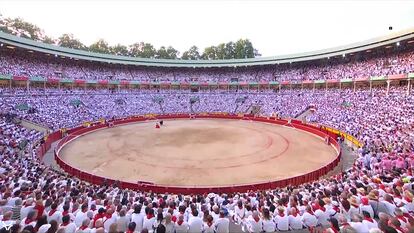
pixel 370 87
pixel 388 87
pixel 409 86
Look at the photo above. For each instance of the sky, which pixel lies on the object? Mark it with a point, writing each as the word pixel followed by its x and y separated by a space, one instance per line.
pixel 274 27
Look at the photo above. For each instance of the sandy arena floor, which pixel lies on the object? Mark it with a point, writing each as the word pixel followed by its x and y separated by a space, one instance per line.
pixel 198 152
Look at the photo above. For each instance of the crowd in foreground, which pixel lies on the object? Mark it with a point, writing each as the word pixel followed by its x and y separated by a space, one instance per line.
pixel 376 195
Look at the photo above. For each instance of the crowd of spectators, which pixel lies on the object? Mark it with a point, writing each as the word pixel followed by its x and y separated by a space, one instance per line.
pixel 22 63
pixel 376 195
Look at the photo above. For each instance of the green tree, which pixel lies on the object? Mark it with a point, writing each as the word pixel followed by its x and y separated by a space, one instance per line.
pixel 119 50
pixel 172 53
pixel 229 50
pixel 210 53
pixel 69 41
pixel 162 53
pixel 221 51
pixel 101 46
pixel 244 49
pixel 19 27
pixel 48 40
pixel 3 24
pixel 145 50
pixel 191 54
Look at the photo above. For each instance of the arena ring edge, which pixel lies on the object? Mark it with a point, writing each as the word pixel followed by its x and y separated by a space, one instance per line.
pixel 147 186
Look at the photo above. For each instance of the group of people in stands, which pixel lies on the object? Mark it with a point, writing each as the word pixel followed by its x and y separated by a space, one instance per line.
pixel 399 61
pixel 375 195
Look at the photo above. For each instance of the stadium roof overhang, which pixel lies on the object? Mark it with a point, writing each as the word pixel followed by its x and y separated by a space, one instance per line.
pixel 300 57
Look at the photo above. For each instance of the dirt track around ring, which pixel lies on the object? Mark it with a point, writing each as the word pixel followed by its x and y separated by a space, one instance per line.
pixel 198 152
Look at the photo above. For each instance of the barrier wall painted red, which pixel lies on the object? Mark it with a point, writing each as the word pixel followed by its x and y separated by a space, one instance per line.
pixel 145 186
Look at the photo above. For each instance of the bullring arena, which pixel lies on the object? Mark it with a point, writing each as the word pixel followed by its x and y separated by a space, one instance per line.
pixel 201 152
pixel 318 141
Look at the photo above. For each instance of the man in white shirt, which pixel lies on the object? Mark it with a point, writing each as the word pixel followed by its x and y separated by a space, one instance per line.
pixel 254 223
pixel 81 215
pixel 138 217
pixel 181 226
pixel 67 225
pixel 308 218
pixel 195 222
pixel 222 223
pixel 26 208
pixel 54 214
pixel 358 225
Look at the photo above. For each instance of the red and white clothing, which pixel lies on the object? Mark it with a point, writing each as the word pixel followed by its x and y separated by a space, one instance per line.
pixel 196 224
pixel 69 228
pixel 269 225
pixel 295 222
pixel 54 215
pixel 80 216
pixel 282 222
pixel 222 225
pixel 208 228
pixel 26 222
pixel 309 219
pixel 359 227
pixel 181 227
pixel 254 225
pixel 370 223
pixel 323 216
pixel 149 222
pixel 138 219
pixel 239 214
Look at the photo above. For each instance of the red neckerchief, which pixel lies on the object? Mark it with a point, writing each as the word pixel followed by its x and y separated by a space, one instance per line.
pixel 83 227
pixel 407 216
pixel 129 231
pixel 149 216
pixel 28 221
pixel 295 214
pixel 174 218
pixel 400 229
pixel 322 208
pixel 336 208
pixel 98 216
pixel 64 224
pixel 64 213
pixel 402 218
pixel 369 219
pixel 407 199
pixel 52 211
pixel 180 222
pixel 281 214
pixel 256 219
pixel 84 211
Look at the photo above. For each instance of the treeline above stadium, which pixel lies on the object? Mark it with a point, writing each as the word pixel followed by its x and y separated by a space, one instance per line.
pixel 243 48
